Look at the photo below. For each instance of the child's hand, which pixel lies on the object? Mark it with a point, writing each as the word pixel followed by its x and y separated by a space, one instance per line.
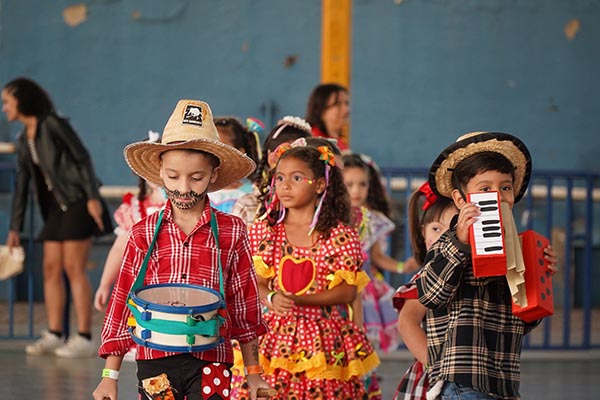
pixel 258 386
pixel 550 256
pixel 466 217
pixel 101 298
pixel 282 302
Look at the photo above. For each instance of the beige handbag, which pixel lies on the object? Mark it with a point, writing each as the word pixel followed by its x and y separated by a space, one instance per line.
pixel 11 263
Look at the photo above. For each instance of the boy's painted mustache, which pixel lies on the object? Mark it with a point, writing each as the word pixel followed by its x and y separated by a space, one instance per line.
pixel 176 198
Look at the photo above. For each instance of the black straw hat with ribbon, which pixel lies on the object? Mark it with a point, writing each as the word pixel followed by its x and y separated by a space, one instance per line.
pixel 511 147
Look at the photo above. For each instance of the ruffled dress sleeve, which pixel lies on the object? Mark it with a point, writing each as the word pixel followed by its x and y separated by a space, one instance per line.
pixel 343 258
pixel 261 246
pixel 124 216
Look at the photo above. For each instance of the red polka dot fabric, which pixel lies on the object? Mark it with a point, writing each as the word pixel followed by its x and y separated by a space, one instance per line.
pixel 216 379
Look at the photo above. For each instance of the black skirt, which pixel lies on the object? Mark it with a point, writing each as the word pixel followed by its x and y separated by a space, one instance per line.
pixel 73 224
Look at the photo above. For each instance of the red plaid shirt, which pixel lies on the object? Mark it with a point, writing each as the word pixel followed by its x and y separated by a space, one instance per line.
pixel 192 259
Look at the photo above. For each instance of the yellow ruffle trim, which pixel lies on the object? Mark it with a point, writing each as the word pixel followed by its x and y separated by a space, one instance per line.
pixel 238 362
pixel 358 279
pixel 262 269
pixel 317 368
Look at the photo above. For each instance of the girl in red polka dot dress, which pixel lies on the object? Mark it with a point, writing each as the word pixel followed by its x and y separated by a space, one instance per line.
pixel 308 261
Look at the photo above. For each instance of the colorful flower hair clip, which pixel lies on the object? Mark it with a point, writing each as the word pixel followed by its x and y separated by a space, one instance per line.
pixel 276 154
pixel 326 155
pixel 281 149
pixel 255 125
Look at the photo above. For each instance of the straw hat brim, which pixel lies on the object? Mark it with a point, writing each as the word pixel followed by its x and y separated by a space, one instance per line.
pixel 144 159
pixel 440 174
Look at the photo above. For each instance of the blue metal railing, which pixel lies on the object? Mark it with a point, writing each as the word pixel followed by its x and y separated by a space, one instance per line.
pixel 561 205
pixel 557 201
pixel 7 169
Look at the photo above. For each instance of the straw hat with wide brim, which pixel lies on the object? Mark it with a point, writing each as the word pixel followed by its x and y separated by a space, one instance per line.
pixel 190 127
pixel 440 174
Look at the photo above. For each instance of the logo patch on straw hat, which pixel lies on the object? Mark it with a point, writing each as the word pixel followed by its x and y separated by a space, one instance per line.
pixel 192 115
pixel 190 126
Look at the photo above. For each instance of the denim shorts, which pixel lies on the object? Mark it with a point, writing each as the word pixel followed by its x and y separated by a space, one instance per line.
pixel 454 391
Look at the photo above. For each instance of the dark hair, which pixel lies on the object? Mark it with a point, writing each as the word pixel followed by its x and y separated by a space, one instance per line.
pixel 241 138
pixel 377 198
pixel 417 218
pixel 317 103
pixel 32 99
pixel 336 205
pixel 142 189
pixel 479 163
pixel 319 141
pixel 288 134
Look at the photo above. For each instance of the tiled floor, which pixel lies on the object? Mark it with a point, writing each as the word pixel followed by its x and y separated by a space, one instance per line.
pixel 50 378
pixel 542 378
pixel 551 375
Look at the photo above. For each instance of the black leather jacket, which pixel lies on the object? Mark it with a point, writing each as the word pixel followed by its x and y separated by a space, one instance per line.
pixel 64 162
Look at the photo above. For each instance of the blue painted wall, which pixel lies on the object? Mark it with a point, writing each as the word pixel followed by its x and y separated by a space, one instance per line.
pixel 428 71
pixel 423 72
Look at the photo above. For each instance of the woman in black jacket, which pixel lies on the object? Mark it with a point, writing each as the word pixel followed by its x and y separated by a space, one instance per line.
pixel 52 157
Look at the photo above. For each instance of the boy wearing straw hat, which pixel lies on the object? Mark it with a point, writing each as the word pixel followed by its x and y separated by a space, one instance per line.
pixel 185 248
pixel 474 340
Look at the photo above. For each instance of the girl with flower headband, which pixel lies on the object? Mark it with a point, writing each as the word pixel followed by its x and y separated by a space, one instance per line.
pixel 288 129
pixel 308 261
pixel 237 379
pixel 428 217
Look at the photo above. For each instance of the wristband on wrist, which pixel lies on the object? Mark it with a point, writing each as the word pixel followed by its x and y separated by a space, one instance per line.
pixel 270 297
pixel 110 373
pixel 253 369
pixel 400 267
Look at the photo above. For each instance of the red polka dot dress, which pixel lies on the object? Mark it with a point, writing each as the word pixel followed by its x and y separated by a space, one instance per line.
pixel 312 352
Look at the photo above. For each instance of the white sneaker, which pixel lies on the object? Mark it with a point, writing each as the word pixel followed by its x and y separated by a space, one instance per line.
pixel 47 344
pixel 76 347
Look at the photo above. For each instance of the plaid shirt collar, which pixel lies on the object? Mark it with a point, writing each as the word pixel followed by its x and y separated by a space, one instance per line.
pixel 204 218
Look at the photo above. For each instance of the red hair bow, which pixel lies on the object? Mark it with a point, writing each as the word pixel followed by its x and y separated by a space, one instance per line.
pixel 430 197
